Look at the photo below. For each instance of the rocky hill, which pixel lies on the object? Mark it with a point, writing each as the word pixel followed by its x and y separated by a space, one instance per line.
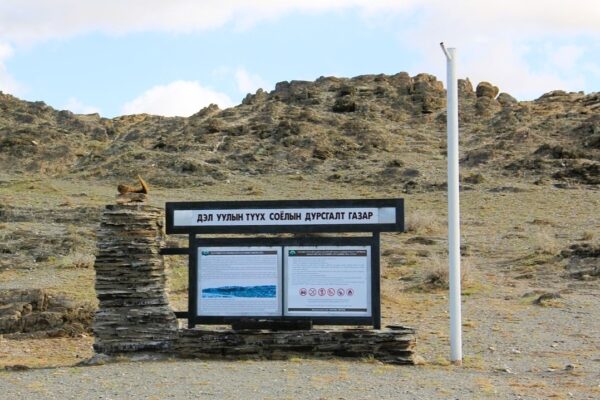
pixel 372 129
pixel 530 248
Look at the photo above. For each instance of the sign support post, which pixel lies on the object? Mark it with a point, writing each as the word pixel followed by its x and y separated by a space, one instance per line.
pixel 453 209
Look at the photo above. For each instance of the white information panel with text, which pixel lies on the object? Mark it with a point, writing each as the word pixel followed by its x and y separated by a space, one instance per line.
pixel 323 281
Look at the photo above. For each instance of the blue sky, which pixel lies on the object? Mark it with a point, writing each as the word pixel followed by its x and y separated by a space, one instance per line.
pixel 173 58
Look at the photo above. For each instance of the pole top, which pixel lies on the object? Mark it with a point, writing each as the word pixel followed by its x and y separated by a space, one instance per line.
pixel 448 52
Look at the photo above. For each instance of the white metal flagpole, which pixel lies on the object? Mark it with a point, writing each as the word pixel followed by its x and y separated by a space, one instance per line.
pixel 453 209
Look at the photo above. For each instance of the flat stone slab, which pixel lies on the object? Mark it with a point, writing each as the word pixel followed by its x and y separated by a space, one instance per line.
pixel 394 346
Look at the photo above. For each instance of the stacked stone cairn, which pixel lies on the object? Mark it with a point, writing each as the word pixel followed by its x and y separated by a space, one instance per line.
pixel 133 313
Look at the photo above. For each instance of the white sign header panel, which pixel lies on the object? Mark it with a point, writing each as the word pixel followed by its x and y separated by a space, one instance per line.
pixel 288 216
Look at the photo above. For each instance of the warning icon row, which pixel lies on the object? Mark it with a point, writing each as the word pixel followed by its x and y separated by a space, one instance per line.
pixel 340 292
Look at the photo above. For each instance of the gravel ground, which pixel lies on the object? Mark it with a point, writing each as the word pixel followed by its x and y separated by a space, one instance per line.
pixel 512 349
pixel 301 379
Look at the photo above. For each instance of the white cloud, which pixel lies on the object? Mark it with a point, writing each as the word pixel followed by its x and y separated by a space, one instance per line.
pixel 179 98
pixel 491 35
pixel 565 58
pixel 249 83
pixel 592 69
pixel 6 51
pixel 8 84
pixel 505 64
pixel 27 21
pixel 37 20
pixel 517 45
pixel 76 106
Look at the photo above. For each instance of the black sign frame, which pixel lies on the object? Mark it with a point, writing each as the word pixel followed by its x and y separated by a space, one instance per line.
pixel 371 241
pixel 195 242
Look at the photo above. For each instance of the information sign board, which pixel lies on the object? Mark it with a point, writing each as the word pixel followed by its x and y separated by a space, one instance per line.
pixel 327 281
pixel 239 281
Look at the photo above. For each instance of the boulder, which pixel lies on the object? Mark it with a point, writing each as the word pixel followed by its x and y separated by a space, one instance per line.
pixel 506 99
pixel 486 89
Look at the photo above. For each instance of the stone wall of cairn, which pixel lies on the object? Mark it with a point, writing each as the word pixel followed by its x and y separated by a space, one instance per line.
pixel 133 312
pixel 394 345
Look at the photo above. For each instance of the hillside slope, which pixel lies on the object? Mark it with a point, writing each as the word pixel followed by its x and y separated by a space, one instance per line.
pixel 372 129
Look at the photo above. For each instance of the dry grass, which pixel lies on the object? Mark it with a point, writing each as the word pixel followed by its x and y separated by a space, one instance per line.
pixel 436 274
pixel 177 281
pixel 587 235
pixel 177 267
pixel 544 242
pixel 485 386
pixel 36 353
pixel 424 222
pixel 77 260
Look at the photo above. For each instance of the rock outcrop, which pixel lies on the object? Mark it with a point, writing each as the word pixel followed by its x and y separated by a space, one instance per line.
pixel 331 125
pixel 36 312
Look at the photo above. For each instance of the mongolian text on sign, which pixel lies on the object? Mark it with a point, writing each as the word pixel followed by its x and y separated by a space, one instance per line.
pixel 291 216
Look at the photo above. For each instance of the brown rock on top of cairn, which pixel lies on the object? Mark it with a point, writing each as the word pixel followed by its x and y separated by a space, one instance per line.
pixel 131 194
pixel 133 312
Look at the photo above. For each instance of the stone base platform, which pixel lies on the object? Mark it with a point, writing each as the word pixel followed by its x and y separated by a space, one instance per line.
pixel 394 345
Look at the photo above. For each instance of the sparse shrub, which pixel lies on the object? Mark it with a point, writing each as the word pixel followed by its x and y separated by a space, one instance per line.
pixel 344 104
pixel 477 157
pixel 587 235
pixel 423 222
pixel 77 260
pixel 437 274
pixel 215 125
pixel 545 243
pixel 547 299
pixel 474 179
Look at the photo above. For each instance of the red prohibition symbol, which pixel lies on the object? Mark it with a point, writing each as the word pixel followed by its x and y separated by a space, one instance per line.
pixel 331 291
pixel 303 292
pixel 321 292
pixel 312 291
pixel 341 292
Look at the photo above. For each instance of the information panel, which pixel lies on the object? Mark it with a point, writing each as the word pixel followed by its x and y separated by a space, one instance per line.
pixel 239 281
pixel 323 281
